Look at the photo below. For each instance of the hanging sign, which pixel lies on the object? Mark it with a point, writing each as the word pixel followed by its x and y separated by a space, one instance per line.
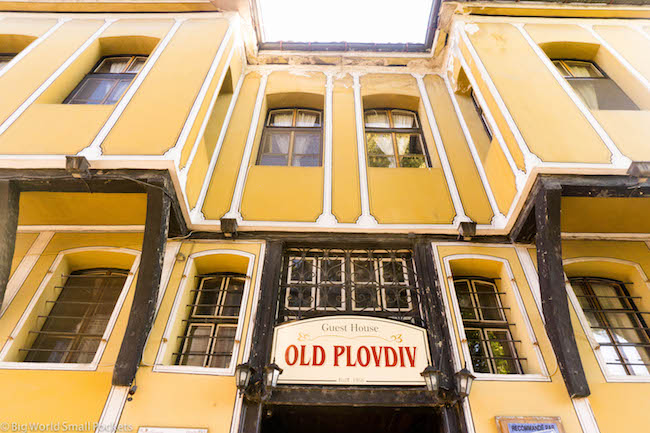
pixel 350 350
pixel 529 424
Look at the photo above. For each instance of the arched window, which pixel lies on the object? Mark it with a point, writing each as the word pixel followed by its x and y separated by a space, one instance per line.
pixel 616 323
pixel 292 137
pixel 394 139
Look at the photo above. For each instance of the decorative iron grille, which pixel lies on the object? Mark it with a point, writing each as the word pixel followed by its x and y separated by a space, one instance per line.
pixel 322 282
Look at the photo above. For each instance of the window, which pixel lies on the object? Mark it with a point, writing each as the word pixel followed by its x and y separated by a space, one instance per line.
pixel 108 80
pixel 597 90
pixel 616 323
pixel 76 322
pixel 317 282
pixel 480 112
pixel 212 324
pixel 394 139
pixel 292 137
pixel 490 342
pixel 5 59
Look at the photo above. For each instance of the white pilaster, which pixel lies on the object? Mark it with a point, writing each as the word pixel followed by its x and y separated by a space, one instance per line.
pixel 327 218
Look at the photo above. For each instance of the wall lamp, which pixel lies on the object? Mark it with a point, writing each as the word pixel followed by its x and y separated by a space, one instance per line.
pixel 431 378
pixel 464 380
pixel 254 387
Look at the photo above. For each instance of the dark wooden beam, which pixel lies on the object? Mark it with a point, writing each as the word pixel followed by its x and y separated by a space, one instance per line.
pixel 552 287
pixel 453 420
pixel 437 329
pixel 353 396
pixel 9 197
pixel 263 333
pixel 143 308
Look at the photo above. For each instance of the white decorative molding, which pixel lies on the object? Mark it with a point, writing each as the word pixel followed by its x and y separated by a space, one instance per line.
pixel 80 228
pixel 543 376
pixel 327 218
pixel 617 158
pixel 110 417
pixel 235 204
pixel 586 415
pixel 35 43
pixel 47 83
pixel 499 220
pixel 94 149
pixel 24 268
pixel 175 152
pixel 639 28
pixel 196 214
pixel 530 159
pixel 177 309
pixel 366 219
pixel 92 366
pixel 169 260
pixel 442 153
pixel 520 176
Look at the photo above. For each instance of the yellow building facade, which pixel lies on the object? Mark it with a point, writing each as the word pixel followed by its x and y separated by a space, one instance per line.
pixel 174 195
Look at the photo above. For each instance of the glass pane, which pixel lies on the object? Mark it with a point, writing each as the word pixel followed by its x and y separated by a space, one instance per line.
pixel 602 94
pixel 223 345
pixel 392 271
pixel 477 351
pixel 377 119
pixel 404 119
pixel 113 65
pixel 4 60
pixel 467 310
pixel 137 64
pixel 302 270
pixel 365 289
pixel 380 150
pixel 231 300
pixel 331 270
pixel 207 297
pixel 410 150
pixel 197 343
pixel 501 348
pixel 305 118
pixel 488 302
pixel 561 68
pixel 86 348
pixel 93 91
pixel 117 92
pixel 283 118
pixel 274 160
pixel 300 298
pixel 277 142
pixel 306 150
pixel 582 69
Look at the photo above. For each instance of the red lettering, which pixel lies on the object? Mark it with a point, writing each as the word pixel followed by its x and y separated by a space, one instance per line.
pixel 411 356
pixel 302 356
pixel 393 362
pixel 294 349
pixel 376 356
pixel 401 356
pixel 338 351
pixel 360 358
pixel 349 364
pixel 318 355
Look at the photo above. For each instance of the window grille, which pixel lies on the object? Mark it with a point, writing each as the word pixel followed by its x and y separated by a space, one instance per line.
pixel 487 329
pixel 320 282
pixel 292 137
pixel 394 139
pixel 211 326
pixel 108 80
pixel 76 322
pixel 616 323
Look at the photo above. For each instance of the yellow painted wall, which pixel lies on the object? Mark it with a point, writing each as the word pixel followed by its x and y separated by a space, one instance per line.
pixel 23 242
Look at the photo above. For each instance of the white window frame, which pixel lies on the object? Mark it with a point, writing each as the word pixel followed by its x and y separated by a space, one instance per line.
pixel 373 262
pixel 342 283
pixel 168 339
pixel 18 329
pixel 314 265
pixel 406 284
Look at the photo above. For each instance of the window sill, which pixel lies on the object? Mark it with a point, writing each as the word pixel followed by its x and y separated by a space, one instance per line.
pixel 47 366
pixel 184 369
pixel 627 379
pixel 512 377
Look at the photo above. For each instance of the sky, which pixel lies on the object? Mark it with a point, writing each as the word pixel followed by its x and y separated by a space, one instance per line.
pixel 379 21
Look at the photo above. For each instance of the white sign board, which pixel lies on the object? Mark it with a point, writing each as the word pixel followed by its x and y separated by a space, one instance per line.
pixel 350 350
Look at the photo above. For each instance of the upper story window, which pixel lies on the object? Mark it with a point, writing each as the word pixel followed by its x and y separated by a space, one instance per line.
pixel 616 324
pixel 74 327
pixel 597 90
pixel 5 59
pixel 394 139
pixel 108 80
pixel 209 336
pixel 292 137
pixel 489 339
pixel 317 282
pixel 481 113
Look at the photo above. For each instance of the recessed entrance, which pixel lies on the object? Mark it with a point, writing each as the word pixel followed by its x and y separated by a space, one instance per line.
pixel 328 419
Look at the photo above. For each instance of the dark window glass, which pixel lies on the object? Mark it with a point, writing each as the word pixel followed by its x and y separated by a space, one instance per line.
pixel 595 88
pixel 490 342
pixel 394 139
pixel 292 137
pixel 481 113
pixel 212 323
pixel 108 81
pixel 73 328
pixel 5 59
